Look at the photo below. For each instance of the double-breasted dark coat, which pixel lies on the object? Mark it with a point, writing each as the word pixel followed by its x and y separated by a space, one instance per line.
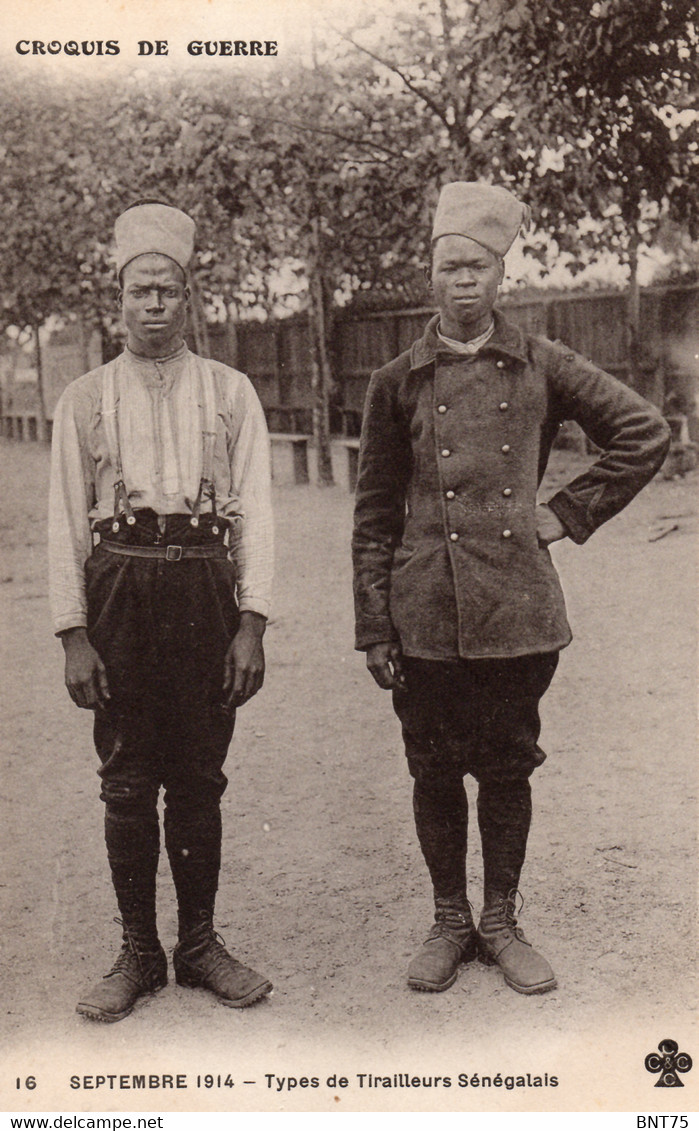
pixel 453 449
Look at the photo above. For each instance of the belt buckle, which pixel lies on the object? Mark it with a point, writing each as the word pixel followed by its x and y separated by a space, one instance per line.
pixel 173 553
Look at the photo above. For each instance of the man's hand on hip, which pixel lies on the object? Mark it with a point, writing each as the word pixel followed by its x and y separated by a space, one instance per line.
pixel 549 527
pixel 385 662
pixel 85 674
pixel 244 669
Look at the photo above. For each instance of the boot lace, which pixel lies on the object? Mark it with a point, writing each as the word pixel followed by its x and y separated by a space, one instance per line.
pixel 511 909
pixel 216 949
pixel 130 961
pixel 501 911
pixel 507 911
pixel 450 920
pixel 205 943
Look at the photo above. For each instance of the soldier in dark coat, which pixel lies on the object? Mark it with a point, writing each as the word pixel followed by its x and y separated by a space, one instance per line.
pixel 458 605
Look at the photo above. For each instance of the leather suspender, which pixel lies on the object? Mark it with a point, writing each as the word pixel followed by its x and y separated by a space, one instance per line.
pixel 110 417
pixel 111 429
pixel 205 380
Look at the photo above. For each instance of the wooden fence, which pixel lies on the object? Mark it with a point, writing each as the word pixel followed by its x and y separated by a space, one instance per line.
pixel 276 354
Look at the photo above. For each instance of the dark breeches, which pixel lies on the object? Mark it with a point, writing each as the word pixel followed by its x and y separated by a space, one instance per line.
pixel 479 717
pixel 181 747
pixel 162 629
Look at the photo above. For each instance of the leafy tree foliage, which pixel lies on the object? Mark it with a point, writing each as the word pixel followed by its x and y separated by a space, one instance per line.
pixel 327 171
pixel 583 108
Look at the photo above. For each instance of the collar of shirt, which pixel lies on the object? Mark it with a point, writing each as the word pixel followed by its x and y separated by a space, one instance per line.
pixel 149 361
pixel 506 339
pixel 468 348
pixel 160 372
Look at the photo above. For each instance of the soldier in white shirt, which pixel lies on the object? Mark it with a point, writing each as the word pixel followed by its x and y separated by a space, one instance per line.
pixel 161 553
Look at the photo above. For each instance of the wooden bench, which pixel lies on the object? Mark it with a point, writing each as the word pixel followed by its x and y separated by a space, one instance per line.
pixel 351 446
pixel 283 418
pixel 298 444
pixel 23 427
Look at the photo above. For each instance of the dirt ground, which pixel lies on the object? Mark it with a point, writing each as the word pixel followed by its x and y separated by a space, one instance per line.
pixel 323 886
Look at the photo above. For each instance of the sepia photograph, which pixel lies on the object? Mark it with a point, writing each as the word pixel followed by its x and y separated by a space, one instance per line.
pixel 348 562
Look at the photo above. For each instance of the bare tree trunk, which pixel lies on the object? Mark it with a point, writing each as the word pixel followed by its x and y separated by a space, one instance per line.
pixel 633 313
pixel 232 334
pixel 202 344
pixel 42 424
pixel 85 336
pixel 107 345
pixel 321 374
pixel 460 94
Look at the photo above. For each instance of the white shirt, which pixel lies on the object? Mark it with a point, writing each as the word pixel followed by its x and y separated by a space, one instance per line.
pixel 160 440
pixel 467 348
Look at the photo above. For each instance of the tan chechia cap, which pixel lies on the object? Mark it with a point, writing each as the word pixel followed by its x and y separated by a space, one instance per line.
pixel 147 228
pixel 488 214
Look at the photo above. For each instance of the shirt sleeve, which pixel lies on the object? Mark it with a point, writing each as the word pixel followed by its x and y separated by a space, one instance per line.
pixel 632 434
pixel 252 541
pixel 71 495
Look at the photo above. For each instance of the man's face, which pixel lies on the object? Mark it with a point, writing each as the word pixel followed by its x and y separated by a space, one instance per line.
pixel 465 279
pixel 154 304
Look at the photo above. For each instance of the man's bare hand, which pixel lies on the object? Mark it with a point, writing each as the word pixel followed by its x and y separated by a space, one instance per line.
pixel 85 675
pixel 244 669
pixel 549 527
pixel 385 662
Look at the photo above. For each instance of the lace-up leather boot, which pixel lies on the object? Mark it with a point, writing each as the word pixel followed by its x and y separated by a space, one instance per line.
pixel 201 959
pixel 137 971
pixel 502 943
pixel 451 941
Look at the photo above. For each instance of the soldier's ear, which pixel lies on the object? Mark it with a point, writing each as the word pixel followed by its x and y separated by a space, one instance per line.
pixel 187 293
pixel 119 297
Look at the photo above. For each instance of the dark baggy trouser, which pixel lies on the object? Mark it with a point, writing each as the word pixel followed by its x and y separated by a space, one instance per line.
pixel 479 717
pixel 162 628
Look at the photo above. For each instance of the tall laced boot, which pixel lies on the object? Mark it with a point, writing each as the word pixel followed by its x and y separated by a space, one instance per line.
pixel 451 941
pixel 132 838
pixel 201 959
pixel 140 968
pixel 501 942
pixel 193 840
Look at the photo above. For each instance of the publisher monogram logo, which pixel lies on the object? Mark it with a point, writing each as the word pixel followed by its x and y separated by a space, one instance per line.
pixel 669 1062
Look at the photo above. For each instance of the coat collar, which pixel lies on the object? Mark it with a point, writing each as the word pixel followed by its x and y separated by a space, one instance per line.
pixel 507 339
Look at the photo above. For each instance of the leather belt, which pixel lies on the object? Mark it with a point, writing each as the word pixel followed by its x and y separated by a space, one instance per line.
pixel 167 553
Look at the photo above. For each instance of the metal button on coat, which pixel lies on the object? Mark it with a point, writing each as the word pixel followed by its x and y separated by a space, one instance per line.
pixel 505 448
pixel 451 495
pixel 454 537
pixel 507 533
pixel 503 406
pixel 441 408
pixel 500 364
pixel 507 492
pixel 446 452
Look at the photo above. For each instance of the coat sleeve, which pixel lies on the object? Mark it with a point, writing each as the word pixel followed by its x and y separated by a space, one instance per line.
pixel 379 513
pixel 632 434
